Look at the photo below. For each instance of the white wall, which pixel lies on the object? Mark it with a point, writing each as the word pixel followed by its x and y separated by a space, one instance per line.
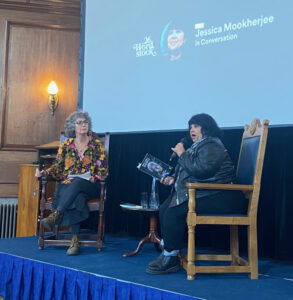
pixel 237 67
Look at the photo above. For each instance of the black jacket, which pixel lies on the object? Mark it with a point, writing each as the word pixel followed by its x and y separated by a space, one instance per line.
pixel 205 161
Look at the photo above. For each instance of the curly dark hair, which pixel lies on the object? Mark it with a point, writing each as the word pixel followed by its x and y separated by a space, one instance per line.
pixel 209 126
pixel 70 122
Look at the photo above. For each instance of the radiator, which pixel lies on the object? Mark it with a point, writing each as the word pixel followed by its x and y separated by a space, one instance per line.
pixel 8 210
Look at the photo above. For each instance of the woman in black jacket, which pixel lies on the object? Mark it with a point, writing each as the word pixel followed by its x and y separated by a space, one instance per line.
pixel 207 161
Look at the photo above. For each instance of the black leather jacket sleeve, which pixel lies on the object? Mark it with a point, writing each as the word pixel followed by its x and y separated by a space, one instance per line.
pixel 207 161
pixel 203 162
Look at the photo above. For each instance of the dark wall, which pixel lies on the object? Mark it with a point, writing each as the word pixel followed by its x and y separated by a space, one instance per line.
pixel 275 223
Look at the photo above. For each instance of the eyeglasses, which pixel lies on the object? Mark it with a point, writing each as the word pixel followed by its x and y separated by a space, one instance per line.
pixel 85 122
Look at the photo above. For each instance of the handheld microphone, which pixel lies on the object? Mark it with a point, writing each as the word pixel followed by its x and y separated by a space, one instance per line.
pixel 186 141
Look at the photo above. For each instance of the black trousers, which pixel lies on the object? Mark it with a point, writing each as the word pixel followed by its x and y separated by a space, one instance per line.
pixel 70 200
pixel 173 219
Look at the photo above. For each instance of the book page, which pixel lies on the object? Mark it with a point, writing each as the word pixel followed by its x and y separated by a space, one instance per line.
pixel 85 176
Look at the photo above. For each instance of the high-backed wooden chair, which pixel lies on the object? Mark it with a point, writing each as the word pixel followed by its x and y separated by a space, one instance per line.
pixel 64 239
pixel 249 171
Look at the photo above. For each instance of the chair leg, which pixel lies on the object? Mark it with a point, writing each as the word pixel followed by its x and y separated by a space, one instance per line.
pixel 41 237
pixel 100 235
pixel 191 253
pixel 252 250
pixel 234 244
pixel 56 232
pixel 42 209
pixel 99 245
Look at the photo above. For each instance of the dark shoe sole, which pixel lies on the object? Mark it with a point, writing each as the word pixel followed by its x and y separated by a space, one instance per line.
pixel 158 272
pixel 154 263
pixel 72 253
pixel 46 225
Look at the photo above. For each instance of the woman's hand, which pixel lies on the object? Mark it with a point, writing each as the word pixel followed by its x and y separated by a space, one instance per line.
pixel 40 173
pixel 169 180
pixel 179 149
pixel 92 179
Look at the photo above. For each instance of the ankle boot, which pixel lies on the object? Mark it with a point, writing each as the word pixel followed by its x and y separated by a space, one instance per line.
pixel 51 220
pixel 74 246
pixel 157 261
pixel 169 264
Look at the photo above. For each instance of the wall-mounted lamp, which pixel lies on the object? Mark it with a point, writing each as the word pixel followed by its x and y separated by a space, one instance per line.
pixel 53 96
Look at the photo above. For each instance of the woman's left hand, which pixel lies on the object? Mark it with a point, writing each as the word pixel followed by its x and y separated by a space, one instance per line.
pixel 169 180
pixel 92 179
pixel 179 149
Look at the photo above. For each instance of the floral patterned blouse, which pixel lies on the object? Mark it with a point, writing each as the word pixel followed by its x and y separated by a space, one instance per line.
pixel 70 162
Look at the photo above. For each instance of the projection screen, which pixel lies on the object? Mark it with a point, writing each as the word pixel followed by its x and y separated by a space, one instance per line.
pixel 151 65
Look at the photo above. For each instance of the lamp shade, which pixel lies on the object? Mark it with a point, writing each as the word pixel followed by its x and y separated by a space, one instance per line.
pixel 52 88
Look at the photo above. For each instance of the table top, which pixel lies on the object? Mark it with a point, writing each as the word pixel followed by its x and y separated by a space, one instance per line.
pixel 129 206
pixel 52 145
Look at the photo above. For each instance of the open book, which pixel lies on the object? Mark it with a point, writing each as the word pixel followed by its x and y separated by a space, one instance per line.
pixel 154 167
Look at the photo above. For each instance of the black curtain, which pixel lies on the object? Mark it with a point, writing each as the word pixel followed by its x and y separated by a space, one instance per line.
pixel 275 221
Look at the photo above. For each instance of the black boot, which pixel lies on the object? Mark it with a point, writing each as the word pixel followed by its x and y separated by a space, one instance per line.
pixel 164 265
pixel 51 220
pixel 157 261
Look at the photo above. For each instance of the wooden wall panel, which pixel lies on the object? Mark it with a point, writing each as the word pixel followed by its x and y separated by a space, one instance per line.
pixel 60 3
pixel 35 56
pixel 39 42
pixel 9 164
pixel 64 7
pixel 14 1
pixel 8 190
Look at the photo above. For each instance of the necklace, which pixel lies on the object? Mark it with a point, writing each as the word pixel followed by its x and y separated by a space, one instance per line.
pixel 81 147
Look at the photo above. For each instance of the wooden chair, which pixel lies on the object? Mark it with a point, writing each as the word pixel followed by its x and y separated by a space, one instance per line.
pixel 64 239
pixel 249 172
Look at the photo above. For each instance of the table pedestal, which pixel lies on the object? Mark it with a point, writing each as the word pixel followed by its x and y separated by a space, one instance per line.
pixel 150 238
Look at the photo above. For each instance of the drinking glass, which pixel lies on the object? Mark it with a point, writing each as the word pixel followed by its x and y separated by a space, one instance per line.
pixel 144 200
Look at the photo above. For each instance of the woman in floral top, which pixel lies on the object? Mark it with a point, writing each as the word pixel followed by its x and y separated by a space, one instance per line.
pixel 81 154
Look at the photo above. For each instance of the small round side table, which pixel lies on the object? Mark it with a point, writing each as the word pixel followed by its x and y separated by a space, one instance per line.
pixel 152 236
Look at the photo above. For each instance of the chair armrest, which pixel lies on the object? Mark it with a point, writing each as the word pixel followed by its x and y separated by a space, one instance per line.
pixel 220 186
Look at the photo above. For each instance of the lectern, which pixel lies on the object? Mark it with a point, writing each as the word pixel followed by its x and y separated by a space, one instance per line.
pixel 29 192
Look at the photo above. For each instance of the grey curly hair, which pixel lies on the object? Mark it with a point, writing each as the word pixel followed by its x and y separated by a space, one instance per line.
pixel 70 122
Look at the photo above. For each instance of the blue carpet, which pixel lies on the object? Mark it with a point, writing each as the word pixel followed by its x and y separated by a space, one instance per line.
pixel 275 282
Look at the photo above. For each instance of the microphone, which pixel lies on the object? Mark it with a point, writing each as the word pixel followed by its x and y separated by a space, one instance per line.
pixel 186 141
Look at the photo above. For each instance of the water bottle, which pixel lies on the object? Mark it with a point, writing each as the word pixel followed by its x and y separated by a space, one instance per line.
pixel 154 201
